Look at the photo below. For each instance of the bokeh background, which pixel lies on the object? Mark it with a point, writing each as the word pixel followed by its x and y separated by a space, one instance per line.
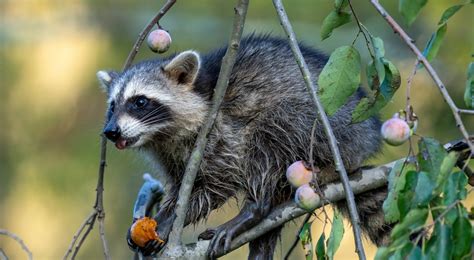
pixel 51 108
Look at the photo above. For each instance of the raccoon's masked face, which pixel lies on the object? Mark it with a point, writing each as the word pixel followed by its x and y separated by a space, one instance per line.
pixel 153 101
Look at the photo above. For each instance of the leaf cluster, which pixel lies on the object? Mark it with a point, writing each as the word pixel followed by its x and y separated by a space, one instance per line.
pixel 427 187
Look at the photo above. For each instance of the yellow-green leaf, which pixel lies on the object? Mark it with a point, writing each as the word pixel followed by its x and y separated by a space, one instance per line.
pixel 337 232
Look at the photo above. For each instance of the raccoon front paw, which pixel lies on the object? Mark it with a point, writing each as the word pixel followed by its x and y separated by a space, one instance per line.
pixel 221 238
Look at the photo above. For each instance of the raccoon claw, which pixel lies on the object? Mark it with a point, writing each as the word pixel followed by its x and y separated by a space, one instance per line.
pixel 208 234
pixel 221 237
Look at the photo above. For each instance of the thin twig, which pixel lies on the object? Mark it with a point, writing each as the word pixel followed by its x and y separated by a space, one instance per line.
pixel 438 219
pixel 19 240
pixel 100 219
pixel 90 225
pixel 359 24
pixel 195 158
pixel 297 239
pixel 409 42
pixel 78 233
pixel 466 111
pixel 98 212
pixel 141 37
pixel 3 256
pixel 312 89
pixel 409 82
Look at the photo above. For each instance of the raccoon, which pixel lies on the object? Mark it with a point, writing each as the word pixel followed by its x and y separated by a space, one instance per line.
pixel 158 106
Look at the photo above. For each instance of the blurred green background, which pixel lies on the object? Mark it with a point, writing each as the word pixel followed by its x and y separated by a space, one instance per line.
pixel 51 108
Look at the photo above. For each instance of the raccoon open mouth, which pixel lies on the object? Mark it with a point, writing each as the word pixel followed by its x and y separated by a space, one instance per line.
pixel 123 143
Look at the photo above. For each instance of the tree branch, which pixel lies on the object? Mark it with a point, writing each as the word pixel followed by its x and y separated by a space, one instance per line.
pixel 98 212
pixel 312 89
pixel 409 42
pixel 366 180
pixel 195 158
pixel 19 240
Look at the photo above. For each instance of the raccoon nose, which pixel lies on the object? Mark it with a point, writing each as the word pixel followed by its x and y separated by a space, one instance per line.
pixel 112 133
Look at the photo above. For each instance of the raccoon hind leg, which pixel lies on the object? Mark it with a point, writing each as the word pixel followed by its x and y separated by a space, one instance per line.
pixel 369 206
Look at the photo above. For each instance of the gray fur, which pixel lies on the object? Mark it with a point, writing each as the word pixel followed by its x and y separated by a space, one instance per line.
pixel 263 126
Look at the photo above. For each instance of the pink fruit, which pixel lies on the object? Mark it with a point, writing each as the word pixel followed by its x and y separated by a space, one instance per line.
pixel 159 40
pixel 297 174
pixel 306 198
pixel 395 131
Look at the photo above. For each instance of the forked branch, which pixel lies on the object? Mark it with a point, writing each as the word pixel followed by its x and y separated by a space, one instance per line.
pixel 19 241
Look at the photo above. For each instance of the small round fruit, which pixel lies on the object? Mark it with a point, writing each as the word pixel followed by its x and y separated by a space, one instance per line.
pixel 306 198
pixel 395 131
pixel 144 230
pixel 297 174
pixel 159 40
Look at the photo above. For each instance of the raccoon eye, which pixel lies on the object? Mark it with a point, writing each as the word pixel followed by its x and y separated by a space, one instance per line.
pixel 141 102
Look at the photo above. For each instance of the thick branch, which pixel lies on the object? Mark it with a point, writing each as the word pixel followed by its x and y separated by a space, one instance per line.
pixel 19 240
pixel 410 43
pixel 361 182
pixel 197 153
pixel 312 89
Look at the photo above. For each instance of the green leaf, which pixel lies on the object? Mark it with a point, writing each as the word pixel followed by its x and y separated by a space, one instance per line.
pixel 443 245
pixel 415 254
pixel 379 52
pixel 368 107
pixel 337 232
pixel 382 253
pixel 424 189
pixel 396 182
pixel 448 13
pixel 430 156
pixel 332 21
pixel 340 4
pixel 407 194
pixel 414 219
pixel 455 189
pixel 392 80
pixel 306 240
pixel 445 169
pixel 339 78
pixel 432 47
pixel 321 248
pixel 461 237
pixel 469 92
pixel 410 9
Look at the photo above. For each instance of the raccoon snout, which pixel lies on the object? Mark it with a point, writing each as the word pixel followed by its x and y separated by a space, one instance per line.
pixel 112 132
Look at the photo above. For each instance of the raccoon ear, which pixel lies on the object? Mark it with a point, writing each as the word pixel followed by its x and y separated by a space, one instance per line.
pixel 184 67
pixel 105 78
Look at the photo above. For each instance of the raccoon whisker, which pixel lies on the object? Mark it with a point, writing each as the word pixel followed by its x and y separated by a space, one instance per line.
pixel 147 117
pixel 132 127
pixel 152 113
pixel 155 121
